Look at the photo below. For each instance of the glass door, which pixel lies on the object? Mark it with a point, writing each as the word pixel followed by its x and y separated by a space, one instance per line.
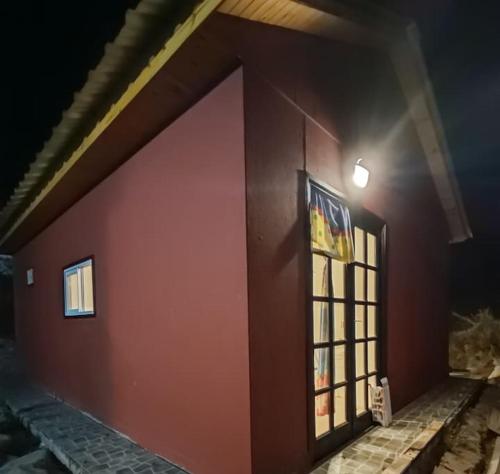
pixel 366 312
pixel 345 337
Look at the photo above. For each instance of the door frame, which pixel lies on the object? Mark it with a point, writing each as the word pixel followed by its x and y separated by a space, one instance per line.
pixel 322 448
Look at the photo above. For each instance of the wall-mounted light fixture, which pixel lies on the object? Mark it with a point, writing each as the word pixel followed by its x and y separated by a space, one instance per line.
pixel 361 174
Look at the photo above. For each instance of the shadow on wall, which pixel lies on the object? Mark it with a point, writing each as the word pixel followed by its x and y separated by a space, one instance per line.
pixel 6 298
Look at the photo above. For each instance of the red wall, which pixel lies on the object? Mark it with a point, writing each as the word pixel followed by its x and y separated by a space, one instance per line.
pixel 311 105
pixel 166 358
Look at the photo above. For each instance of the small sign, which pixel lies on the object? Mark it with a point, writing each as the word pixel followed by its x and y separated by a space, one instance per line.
pixel 381 403
pixel 30 277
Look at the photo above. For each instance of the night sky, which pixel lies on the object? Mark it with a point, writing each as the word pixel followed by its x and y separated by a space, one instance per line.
pixel 461 42
pixel 49 46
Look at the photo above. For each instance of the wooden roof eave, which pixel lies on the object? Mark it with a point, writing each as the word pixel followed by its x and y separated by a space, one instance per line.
pixel 330 19
pixel 411 69
pixel 362 23
pixel 17 209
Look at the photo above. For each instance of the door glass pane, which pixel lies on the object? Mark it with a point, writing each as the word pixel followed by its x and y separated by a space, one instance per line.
pixel 372 382
pixel 320 275
pixel 359 321
pixel 359 245
pixel 372 356
pixel 360 396
pixel 338 279
pixel 372 285
pixel 321 368
pixel 339 404
pixel 320 322
pixel 339 364
pixel 372 322
pixel 322 413
pixel 360 359
pixel 359 283
pixel 339 318
pixel 371 249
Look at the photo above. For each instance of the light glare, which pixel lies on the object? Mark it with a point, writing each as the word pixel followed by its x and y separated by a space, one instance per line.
pixel 360 176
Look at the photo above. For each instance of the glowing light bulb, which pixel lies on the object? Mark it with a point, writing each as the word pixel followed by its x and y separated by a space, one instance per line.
pixel 361 175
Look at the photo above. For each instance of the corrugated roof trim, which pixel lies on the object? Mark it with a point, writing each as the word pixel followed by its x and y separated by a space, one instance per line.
pixel 123 60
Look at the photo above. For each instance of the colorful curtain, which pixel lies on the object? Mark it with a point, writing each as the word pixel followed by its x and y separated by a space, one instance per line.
pixel 331 230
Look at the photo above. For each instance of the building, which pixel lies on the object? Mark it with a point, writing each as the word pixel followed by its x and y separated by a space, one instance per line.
pixel 165 279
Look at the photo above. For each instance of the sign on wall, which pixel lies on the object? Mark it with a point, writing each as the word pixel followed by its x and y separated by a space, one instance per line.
pixel 30 277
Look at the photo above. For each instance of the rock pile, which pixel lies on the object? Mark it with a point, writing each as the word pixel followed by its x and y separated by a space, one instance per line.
pixel 20 452
pixel 469 444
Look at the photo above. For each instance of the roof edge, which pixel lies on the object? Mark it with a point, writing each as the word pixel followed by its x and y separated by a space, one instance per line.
pixel 402 42
pixel 409 62
pixel 183 31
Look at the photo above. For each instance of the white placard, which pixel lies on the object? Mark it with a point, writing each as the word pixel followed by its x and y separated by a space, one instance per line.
pixel 30 277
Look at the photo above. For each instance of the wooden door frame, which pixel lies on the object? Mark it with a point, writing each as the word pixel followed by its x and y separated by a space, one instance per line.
pixel 317 450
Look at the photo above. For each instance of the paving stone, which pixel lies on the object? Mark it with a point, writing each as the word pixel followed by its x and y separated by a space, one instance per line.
pixel 377 449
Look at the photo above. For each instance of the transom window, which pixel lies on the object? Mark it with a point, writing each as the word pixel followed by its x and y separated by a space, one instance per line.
pixel 79 289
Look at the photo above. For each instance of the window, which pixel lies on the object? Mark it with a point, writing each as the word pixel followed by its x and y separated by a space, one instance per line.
pixel 79 289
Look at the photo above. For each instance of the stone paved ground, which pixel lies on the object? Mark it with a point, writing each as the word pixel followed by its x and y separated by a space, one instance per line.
pixel 86 446
pixel 82 444
pixel 378 448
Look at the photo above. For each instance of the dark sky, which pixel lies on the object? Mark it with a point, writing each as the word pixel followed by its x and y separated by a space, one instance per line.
pixel 48 47
pixel 461 42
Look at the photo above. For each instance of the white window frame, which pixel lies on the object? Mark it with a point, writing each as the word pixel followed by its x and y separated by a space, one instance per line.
pixel 77 269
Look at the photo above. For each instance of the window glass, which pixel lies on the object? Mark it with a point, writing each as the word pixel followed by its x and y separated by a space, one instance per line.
pixel 321 322
pixel 372 285
pixel 372 382
pixel 372 356
pixel 339 318
pixel 322 413
pixel 72 291
pixel 339 364
pixel 320 275
pixel 359 321
pixel 321 368
pixel 359 245
pixel 360 359
pixel 359 283
pixel 339 407
pixel 338 278
pixel 371 244
pixel 87 288
pixel 372 322
pixel 360 396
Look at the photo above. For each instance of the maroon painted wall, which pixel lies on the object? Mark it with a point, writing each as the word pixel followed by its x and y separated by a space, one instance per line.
pixel 313 105
pixel 166 358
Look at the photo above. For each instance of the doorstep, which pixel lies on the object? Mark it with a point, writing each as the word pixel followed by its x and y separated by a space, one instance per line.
pixel 395 448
